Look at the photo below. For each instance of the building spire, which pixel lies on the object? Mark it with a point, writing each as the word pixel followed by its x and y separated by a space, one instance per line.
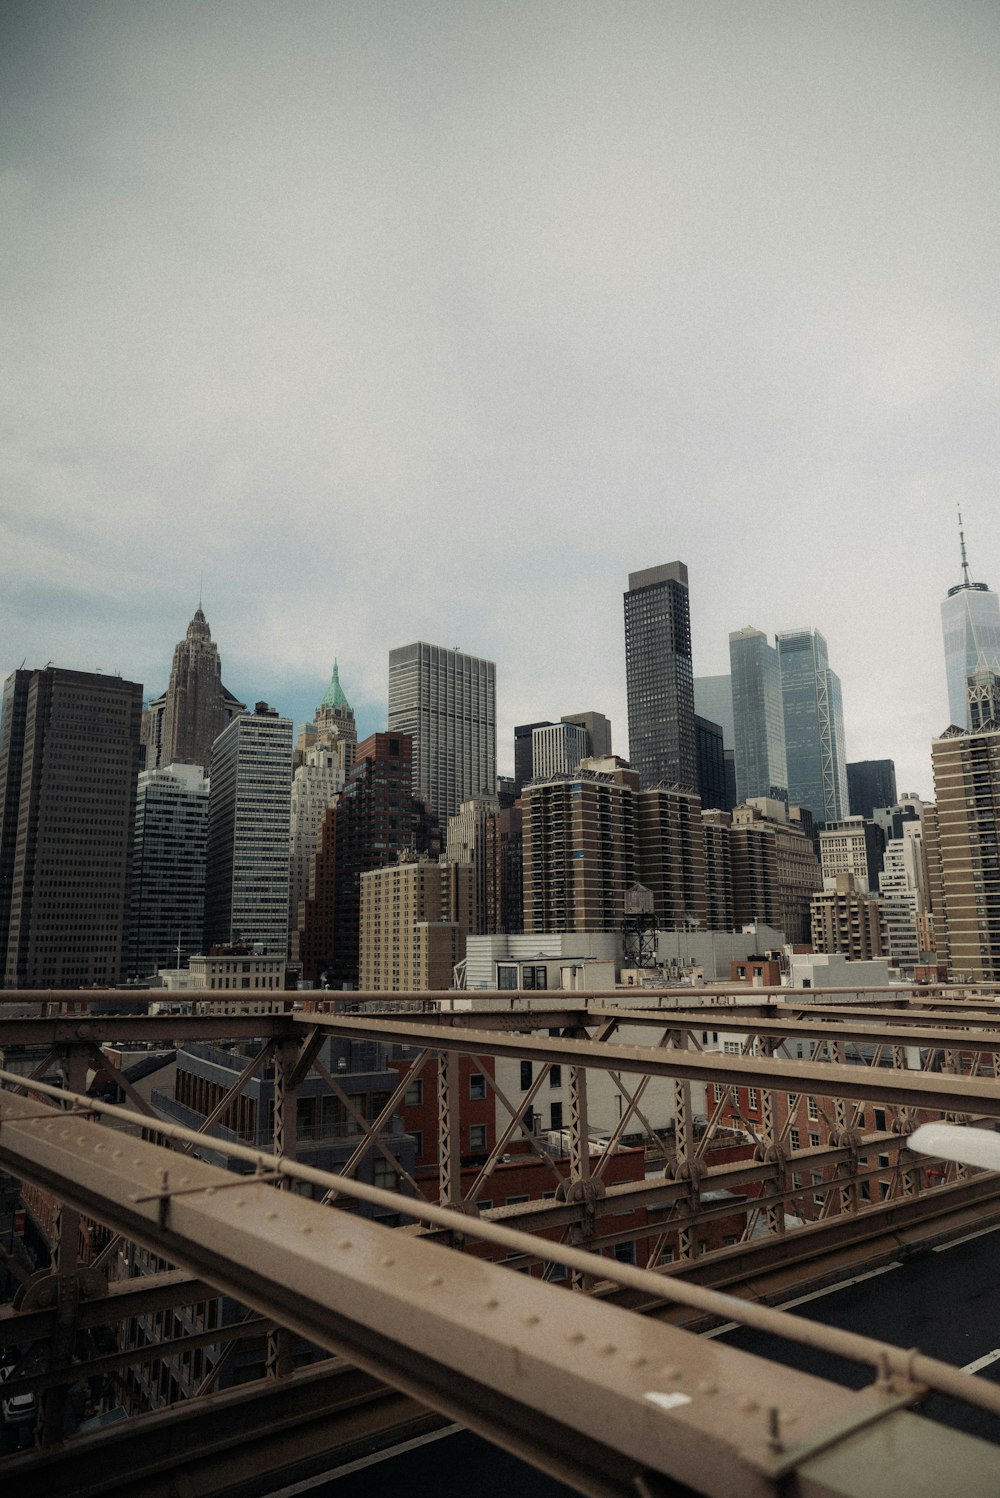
pixel 966 580
pixel 335 693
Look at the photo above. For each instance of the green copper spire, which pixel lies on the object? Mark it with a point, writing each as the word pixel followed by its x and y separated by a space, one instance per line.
pixel 335 692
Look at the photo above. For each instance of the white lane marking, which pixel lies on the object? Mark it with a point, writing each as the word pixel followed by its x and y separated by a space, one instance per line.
pixel 785 1305
pixel 983 1362
pixel 942 1248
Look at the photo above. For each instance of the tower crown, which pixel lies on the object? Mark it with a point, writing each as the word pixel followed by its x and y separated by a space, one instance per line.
pixel 335 692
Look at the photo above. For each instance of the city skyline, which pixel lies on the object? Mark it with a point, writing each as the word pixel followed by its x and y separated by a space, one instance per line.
pixel 484 311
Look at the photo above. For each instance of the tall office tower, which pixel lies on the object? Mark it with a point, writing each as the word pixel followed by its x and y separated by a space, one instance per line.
pixel 598 729
pixel 670 856
pixel 658 676
pixel 333 724
pixel 371 825
pixel 871 783
pixel 181 726
pixel 713 781
pixel 69 759
pixel 415 917
pixel 845 919
pixel 814 725
pixel 758 720
pixel 718 869
pixel 798 868
pixel 249 812
pixel 447 703
pixel 970 620
pixel 315 784
pixel 503 857
pixel 713 699
pixel 466 843
pixel 966 768
pixel 557 749
pixel 167 887
pixel 579 850
pixel 523 769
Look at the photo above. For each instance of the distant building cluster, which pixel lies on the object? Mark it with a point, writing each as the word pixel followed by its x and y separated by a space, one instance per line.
pixel 138 840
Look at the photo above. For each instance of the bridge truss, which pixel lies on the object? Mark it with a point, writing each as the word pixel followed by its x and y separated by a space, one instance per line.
pixel 602 1382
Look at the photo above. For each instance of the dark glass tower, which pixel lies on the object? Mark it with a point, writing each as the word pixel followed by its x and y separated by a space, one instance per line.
pixel 659 679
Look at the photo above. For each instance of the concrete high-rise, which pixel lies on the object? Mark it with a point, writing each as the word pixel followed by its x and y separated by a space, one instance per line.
pixel 69 760
pixel 557 749
pixel 181 726
pixel 598 729
pixel 970 620
pixel 813 713
pixel 579 850
pixel 167 887
pixel 414 920
pixel 446 702
pixel 249 812
pixel 659 678
pixel 333 725
pixel 966 769
pixel 758 719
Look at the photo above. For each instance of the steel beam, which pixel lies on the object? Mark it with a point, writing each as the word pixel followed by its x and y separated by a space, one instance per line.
pixel 599 1398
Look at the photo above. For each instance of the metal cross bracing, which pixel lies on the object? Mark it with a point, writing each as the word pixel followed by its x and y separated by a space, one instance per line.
pixel 611 1403
pixel 584 1208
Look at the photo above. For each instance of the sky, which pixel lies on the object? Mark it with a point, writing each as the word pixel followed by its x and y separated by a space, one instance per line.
pixel 433 319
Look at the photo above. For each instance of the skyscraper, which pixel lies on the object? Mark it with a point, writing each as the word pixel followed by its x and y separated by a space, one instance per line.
pixel 970 620
pixel 758 720
pixel 249 810
pixel 69 758
pixel 814 725
pixel 966 770
pixel 659 678
pixel 446 702
pixel 167 888
pixel 871 783
pixel 181 726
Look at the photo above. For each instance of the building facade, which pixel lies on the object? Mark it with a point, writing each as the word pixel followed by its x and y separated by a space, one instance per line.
pixel 871 783
pixel 579 850
pixel 249 816
pixel 966 770
pixel 758 721
pixel 659 678
pixel 598 730
pixel 813 713
pixel 69 761
pixel 670 856
pixel 446 702
pixel 415 918
pixel 557 749
pixel 167 884
pixel 847 920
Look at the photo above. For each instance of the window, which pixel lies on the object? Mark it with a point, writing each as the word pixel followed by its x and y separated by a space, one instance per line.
pixel 718 1092
pixel 880 1120
pixel 413 1097
pixel 625 1253
pixel 534 977
pixel 793 1139
pixel 477 1087
pixel 485 1205
pixel 506 975
pixel 512 1201
pixel 555 1076
pixel 525 1075
pixel 555 1115
pixel 814 1141
pixel 752 1098
pixel 734 1095
pixel 384 1174
pixel 732 1048
pixel 796 1181
pixel 477 1137
pixel 812 1107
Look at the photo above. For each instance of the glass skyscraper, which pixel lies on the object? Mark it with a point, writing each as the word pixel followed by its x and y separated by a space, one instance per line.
pixel 758 722
pixel 658 676
pixel 970 620
pixel 814 726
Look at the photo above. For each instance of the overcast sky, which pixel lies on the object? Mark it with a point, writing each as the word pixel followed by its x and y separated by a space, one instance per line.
pixel 432 320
